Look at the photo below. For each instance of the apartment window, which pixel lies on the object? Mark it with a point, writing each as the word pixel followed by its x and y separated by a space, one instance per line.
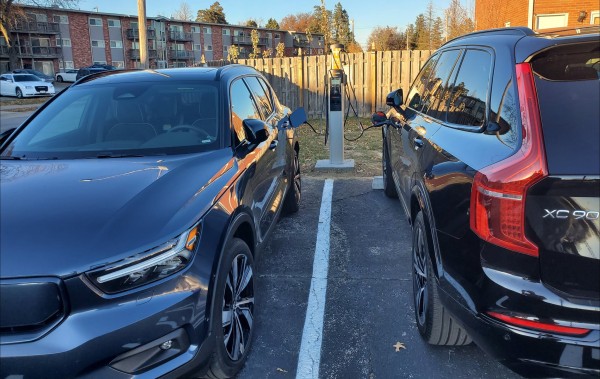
pixel 226 32
pixel 208 47
pixel 195 29
pixel 99 62
pixel 97 43
pixel 118 64
pixel 176 28
pixel 269 35
pixel 595 17
pixel 133 25
pixel 197 47
pixel 557 20
pixel 277 35
pixel 135 45
pixel 114 23
pixel 116 44
pixel 62 19
pixel 68 64
pixel 95 21
pixel 65 42
pixel 207 30
pixel 179 64
pixel 41 17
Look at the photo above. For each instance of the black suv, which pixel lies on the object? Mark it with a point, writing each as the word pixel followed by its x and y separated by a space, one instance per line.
pixel 495 158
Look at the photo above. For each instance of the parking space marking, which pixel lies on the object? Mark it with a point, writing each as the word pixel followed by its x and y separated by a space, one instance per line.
pixel 309 357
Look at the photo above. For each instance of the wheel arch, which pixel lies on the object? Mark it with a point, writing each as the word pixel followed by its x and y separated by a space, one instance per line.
pixel 419 201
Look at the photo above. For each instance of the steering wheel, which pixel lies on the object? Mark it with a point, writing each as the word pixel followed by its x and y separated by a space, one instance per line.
pixel 189 128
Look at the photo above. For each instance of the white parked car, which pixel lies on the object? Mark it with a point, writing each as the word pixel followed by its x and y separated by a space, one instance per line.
pixel 68 75
pixel 24 85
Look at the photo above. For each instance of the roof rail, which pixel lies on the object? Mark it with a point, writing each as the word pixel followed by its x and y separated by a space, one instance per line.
pixel 519 30
pixel 225 68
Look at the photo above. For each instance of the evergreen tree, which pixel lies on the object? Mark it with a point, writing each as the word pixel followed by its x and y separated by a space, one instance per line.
pixel 214 14
pixel 272 24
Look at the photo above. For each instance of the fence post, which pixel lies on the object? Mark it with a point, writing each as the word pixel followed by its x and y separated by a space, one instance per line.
pixel 373 87
pixel 300 69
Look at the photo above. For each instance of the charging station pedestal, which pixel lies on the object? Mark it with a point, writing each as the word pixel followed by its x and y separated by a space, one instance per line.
pixel 336 110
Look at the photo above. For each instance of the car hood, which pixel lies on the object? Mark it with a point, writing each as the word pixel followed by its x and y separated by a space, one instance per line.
pixel 61 218
pixel 35 83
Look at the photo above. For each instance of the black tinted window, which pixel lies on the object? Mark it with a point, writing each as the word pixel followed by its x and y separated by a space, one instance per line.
pixel 415 95
pixel 468 94
pixel 434 98
pixel 242 107
pixel 569 62
pixel 263 101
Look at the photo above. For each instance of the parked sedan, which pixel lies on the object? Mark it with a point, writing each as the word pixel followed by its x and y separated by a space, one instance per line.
pixel 494 155
pixel 39 74
pixel 133 207
pixel 68 75
pixel 24 85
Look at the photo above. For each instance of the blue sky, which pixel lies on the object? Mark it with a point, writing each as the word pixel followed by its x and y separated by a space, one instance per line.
pixel 367 14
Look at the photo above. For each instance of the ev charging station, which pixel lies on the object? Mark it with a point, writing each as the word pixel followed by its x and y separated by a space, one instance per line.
pixel 336 108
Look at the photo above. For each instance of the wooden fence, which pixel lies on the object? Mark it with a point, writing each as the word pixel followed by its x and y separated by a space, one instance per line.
pixel 301 81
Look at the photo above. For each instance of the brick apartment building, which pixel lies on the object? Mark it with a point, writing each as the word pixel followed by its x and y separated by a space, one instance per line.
pixel 536 14
pixel 52 39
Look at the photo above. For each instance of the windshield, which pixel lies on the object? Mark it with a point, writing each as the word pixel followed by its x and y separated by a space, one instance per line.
pixel 122 119
pixel 26 78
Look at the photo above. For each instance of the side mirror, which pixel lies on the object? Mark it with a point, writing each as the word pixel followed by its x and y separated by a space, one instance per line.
pixel 256 130
pixel 378 118
pixel 298 117
pixel 395 99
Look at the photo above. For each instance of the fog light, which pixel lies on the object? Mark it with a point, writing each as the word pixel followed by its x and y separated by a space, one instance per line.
pixel 166 345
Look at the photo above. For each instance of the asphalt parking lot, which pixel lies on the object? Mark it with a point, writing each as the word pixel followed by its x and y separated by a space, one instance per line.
pixel 368 306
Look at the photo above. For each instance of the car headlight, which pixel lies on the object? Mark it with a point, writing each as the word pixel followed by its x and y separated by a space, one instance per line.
pixel 155 264
pixel 28 87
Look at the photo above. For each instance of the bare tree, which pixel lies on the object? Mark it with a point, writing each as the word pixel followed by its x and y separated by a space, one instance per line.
pixel 385 38
pixel 11 13
pixel 458 20
pixel 184 12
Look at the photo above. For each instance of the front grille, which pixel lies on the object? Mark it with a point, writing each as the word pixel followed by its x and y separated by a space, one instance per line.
pixel 41 88
pixel 30 305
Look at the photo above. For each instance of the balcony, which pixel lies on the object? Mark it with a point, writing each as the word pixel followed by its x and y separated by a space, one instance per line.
pixel 134 54
pixel 246 40
pixel 300 41
pixel 181 54
pixel 37 27
pixel 33 51
pixel 180 36
pixel 135 33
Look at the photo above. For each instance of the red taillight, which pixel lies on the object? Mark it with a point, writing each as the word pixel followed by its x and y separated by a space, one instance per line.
pixel 498 195
pixel 546 327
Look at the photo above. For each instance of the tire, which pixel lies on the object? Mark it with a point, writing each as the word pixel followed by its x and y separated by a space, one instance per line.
pixel 19 93
pixel 233 338
pixel 389 188
pixel 59 79
pixel 291 203
pixel 434 322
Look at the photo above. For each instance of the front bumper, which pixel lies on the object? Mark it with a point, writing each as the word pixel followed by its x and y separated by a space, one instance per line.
pixel 118 336
pixel 530 353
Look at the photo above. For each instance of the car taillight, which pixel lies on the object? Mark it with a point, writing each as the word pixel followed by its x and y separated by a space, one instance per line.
pixel 497 212
pixel 538 325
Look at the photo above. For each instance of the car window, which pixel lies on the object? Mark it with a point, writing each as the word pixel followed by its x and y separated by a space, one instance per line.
pixel 267 89
pixel 414 98
pixel 468 94
pixel 134 118
pixel 242 107
pixel 434 98
pixel 263 101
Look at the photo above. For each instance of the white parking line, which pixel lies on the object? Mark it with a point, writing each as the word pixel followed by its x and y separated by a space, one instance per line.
pixel 309 358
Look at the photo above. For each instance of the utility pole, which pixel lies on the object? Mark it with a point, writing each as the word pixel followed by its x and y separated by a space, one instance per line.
pixel 142 33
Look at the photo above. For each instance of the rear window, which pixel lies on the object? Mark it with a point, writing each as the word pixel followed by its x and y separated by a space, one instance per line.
pixel 568 87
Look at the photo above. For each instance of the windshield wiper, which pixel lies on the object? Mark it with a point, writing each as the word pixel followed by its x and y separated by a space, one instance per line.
pixel 9 157
pixel 109 155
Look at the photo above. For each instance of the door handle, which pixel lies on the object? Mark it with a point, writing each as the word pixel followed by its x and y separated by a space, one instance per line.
pixel 273 145
pixel 418 143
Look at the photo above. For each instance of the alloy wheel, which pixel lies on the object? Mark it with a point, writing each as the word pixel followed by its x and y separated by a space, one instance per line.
pixel 420 276
pixel 238 307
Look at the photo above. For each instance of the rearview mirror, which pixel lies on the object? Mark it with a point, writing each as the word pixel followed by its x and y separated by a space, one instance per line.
pixel 298 117
pixel 395 99
pixel 378 118
pixel 256 130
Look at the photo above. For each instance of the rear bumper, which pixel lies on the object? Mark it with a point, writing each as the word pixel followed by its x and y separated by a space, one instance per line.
pixel 530 353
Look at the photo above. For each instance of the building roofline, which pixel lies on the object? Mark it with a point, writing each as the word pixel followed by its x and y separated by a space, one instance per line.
pixel 160 18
